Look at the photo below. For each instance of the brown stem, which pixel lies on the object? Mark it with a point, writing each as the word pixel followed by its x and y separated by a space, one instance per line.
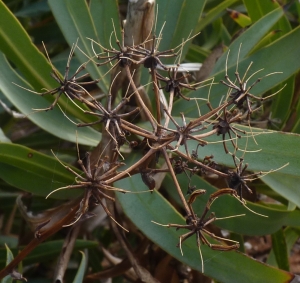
pixel 121 267
pixel 137 130
pixel 167 159
pixel 205 135
pixel 170 106
pixel 42 237
pixel 140 100
pixel 214 171
pixel 132 167
pixel 195 123
pixel 157 96
pixel 66 252
pixel 140 271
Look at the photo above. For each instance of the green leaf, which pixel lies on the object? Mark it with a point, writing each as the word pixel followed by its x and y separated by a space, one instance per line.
pixel 285 185
pixel 211 37
pixel 280 250
pixel 104 14
pixel 266 150
pixel 144 208
pixel 291 236
pixel 75 22
pixel 241 19
pixel 263 59
pixel 276 149
pixel 37 173
pixel 81 270
pixel 9 255
pixel 282 103
pixel 39 140
pixel 296 126
pixel 180 18
pixel 248 39
pixel 52 121
pixel 48 250
pixel 265 41
pixel 250 224
pixel 196 53
pixel 3 137
pixel 269 151
pixel 9 258
pixel 213 14
pixel 256 9
pixel 16 44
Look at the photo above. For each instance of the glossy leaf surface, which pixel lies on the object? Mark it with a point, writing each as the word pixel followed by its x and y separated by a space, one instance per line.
pixel 144 208
pixel 37 173
pixel 49 121
pixel 16 44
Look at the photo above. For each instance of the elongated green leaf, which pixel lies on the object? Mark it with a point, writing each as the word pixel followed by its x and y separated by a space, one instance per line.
pixel 186 21
pixel 81 270
pixel 9 258
pixel 180 18
pixel 256 10
pixel 48 250
pixel 269 151
pixel 52 121
pixel 9 255
pixel 250 224
pixel 144 208
pixel 16 44
pixel 296 127
pixel 197 53
pixel 263 59
pixel 104 14
pixel 212 14
pixel 37 173
pixel 75 21
pixel 266 150
pixel 291 236
pixel 225 35
pixel 265 41
pixel 248 39
pixel 212 37
pixel 280 250
pixel 39 140
pixel 285 185
pixel 276 149
pixel 282 103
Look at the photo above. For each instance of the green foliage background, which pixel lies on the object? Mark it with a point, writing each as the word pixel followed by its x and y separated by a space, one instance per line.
pixel 60 23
